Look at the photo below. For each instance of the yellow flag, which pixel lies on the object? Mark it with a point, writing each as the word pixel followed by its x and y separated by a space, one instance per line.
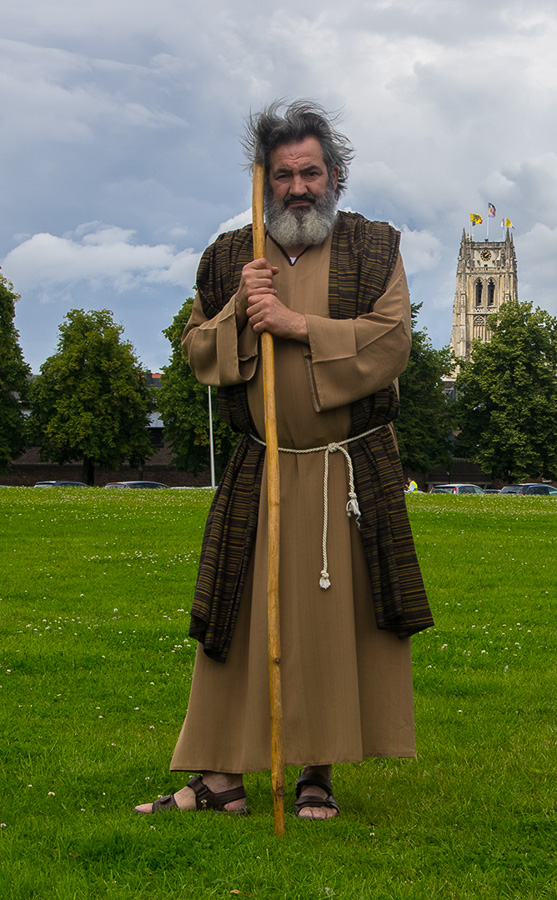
pixel 475 219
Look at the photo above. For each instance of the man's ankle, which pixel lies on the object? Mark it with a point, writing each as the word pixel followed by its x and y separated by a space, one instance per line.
pixel 222 781
pixel 325 771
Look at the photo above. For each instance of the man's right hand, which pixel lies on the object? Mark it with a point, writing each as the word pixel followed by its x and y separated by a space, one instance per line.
pixel 257 300
pixel 256 281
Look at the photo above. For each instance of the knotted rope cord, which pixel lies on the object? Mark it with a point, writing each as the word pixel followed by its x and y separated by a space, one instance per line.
pixel 352 507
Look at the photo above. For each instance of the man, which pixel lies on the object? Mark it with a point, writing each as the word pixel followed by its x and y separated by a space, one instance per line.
pixel 332 291
pixel 411 486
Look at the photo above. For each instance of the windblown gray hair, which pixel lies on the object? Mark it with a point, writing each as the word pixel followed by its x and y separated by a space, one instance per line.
pixel 281 123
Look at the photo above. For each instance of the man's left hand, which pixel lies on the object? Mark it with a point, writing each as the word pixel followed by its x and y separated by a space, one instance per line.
pixel 267 313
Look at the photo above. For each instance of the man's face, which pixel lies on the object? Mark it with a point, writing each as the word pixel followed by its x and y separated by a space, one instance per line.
pixel 298 175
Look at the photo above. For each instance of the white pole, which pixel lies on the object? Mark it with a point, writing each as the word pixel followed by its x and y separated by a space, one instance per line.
pixel 211 445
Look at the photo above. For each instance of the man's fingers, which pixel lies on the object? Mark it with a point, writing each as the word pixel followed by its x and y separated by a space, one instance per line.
pixel 258 293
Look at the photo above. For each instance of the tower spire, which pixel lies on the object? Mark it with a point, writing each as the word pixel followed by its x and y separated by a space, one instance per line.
pixel 486 277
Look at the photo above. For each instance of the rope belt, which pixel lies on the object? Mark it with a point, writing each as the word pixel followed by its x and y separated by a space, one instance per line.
pixel 352 507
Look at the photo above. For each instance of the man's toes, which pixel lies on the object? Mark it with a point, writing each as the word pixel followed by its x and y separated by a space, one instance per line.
pixel 144 808
pixel 313 812
pixel 317 812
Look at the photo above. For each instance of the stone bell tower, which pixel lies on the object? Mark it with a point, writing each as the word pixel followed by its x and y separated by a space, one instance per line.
pixel 486 276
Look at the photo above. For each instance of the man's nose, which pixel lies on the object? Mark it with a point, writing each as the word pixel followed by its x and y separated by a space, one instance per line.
pixel 298 185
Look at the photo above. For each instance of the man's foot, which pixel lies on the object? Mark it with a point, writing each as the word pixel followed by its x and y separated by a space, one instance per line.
pixel 212 790
pixel 314 794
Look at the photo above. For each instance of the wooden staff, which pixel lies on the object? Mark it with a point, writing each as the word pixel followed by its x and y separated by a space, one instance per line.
pixel 273 489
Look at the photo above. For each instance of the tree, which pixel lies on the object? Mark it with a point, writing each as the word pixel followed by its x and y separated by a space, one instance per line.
pixel 183 404
pixel 506 406
pixel 422 427
pixel 91 401
pixel 14 375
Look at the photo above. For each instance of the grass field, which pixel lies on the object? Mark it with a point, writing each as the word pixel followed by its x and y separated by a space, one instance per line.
pixel 95 666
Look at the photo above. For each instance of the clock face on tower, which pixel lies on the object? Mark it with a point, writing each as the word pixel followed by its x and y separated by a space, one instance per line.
pixel 486 255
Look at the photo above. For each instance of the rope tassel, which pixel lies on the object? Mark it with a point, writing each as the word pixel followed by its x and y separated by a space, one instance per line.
pixel 324 581
pixel 352 507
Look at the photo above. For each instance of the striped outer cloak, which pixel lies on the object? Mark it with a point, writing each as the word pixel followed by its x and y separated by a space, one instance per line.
pixel 363 255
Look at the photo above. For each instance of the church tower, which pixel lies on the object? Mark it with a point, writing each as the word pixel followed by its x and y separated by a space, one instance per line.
pixel 486 276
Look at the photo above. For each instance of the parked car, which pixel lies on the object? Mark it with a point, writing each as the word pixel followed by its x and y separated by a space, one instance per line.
pixel 513 488
pixel 60 484
pixel 544 490
pixel 456 489
pixel 135 484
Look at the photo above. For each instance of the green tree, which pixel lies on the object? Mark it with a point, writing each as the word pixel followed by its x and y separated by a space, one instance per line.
pixel 506 406
pixel 90 401
pixel 422 427
pixel 183 404
pixel 14 375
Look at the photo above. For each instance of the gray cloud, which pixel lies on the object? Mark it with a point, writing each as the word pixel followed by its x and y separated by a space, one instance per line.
pixel 130 114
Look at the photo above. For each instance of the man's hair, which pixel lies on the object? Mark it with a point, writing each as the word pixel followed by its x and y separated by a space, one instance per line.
pixel 280 124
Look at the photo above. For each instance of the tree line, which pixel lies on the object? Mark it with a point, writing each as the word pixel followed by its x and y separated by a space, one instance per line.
pixel 91 401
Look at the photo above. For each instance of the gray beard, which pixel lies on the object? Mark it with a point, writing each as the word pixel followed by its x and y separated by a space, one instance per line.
pixel 295 227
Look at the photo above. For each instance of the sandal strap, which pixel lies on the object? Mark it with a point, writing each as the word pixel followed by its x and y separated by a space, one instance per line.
pixel 205 798
pixel 310 800
pixel 164 804
pixel 313 779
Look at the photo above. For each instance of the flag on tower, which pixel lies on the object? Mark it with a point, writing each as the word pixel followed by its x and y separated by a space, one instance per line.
pixel 475 219
pixel 491 210
pixel 506 223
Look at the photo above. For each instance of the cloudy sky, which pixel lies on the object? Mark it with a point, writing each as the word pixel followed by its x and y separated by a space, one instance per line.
pixel 120 155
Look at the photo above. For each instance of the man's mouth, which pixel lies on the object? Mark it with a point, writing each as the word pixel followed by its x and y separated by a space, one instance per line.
pixel 299 201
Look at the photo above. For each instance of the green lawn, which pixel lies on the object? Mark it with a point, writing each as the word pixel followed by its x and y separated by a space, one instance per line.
pixel 95 666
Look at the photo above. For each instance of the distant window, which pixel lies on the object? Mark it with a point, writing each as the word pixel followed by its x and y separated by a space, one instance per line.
pixel 157 437
pixel 478 292
pixel 491 293
pixel 479 328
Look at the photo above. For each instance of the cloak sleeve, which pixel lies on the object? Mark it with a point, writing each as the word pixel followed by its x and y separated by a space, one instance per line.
pixel 352 358
pixel 218 355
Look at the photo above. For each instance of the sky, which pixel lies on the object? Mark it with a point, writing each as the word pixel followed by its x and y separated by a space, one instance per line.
pixel 121 153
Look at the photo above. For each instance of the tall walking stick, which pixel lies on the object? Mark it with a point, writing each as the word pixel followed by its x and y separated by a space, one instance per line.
pixel 273 489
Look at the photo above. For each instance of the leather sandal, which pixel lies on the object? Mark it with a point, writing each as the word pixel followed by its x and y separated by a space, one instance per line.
pixel 314 779
pixel 205 798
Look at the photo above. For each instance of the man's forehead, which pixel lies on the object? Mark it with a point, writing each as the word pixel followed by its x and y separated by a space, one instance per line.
pixel 297 154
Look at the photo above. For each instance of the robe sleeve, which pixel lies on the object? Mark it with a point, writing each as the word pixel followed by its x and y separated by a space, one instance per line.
pixel 218 355
pixel 352 358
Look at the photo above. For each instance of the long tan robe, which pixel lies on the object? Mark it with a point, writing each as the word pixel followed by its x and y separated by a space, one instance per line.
pixel 347 687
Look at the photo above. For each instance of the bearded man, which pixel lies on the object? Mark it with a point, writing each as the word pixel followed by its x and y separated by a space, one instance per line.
pixel 332 291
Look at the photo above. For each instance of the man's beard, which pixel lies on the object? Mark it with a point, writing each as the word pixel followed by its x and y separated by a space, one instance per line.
pixel 297 226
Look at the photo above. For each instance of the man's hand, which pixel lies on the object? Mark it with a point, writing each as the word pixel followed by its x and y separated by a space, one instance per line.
pixel 257 299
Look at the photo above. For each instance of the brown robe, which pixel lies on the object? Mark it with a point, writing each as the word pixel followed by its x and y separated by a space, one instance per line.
pixel 347 687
